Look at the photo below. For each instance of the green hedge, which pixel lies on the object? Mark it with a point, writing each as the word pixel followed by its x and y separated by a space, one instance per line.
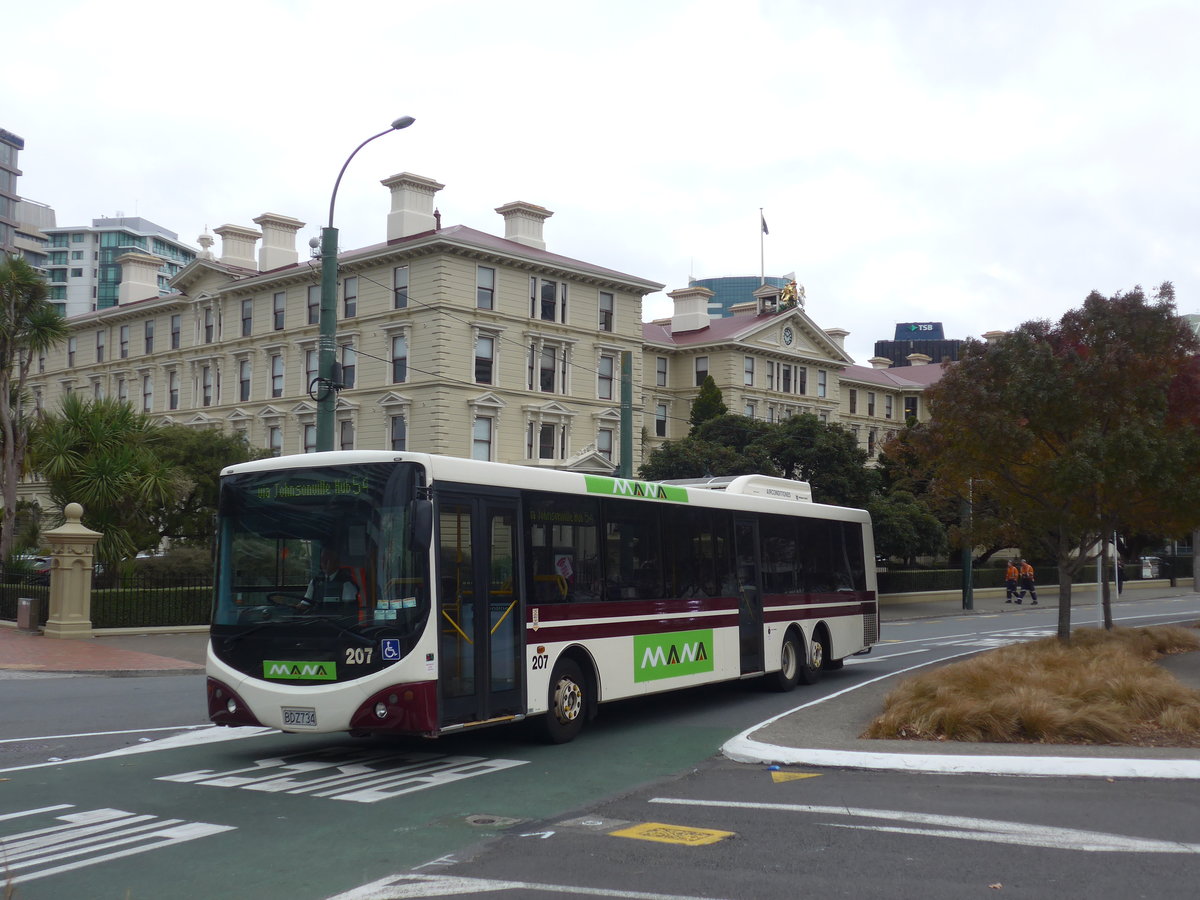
pixel 146 608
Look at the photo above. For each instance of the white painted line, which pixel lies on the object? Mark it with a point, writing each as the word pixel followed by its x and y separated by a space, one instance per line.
pixel 862 660
pixel 213 735
pixel 83 734
pixel 413 887
pixel 992 830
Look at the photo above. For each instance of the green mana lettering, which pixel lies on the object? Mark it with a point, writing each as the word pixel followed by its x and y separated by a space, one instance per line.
pixel 641 490
pixel 301 670
pixel 658 656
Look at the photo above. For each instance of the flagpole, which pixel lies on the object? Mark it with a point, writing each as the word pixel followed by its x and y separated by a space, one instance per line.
pixel 762 266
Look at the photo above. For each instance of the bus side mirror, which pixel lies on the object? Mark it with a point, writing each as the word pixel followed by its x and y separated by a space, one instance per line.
pixel 421 516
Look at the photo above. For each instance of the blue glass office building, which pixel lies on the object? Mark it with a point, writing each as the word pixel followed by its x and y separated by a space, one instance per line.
pixel 733 289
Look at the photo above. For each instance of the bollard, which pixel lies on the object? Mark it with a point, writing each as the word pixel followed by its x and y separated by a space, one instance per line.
pixel 28 609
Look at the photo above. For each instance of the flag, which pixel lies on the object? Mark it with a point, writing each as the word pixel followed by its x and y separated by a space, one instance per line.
pixel 764 222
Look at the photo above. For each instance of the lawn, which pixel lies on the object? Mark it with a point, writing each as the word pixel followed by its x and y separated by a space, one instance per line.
pixel 1102 688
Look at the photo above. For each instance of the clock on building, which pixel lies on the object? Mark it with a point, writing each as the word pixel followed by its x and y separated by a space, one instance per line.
pixel 788 336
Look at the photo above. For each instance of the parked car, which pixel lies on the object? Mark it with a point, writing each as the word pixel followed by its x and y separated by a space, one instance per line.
pixel 38 566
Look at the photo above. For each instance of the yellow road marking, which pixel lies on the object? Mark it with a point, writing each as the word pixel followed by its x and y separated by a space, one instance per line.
pixel 672 834
pixel 781 777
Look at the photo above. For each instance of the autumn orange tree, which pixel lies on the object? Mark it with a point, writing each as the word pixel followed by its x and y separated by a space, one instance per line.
pixel 1075 429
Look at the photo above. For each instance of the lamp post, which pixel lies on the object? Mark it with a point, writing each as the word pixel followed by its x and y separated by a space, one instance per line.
pixel 326 390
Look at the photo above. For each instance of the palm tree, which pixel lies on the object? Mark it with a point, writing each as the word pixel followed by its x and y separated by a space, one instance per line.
pixel 29 325
pixel 103 454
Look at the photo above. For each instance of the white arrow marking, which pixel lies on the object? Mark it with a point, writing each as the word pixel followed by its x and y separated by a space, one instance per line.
pixel 414 887
pixel 993 830
pixel 539 834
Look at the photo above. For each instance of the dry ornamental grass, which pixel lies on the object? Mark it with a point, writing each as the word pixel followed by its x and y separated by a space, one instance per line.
pixel 1103 688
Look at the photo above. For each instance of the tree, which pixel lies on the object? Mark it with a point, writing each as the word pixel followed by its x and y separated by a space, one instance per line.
pixel 102 454
pixel 708 403
pixel 1075 428
pixel 29 325
pixel 695 458
pixel 827 456
pixel 197 456
pixel 904 527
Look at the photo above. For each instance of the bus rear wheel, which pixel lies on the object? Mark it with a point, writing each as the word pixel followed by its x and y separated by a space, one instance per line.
pixel 568 701
pixel 814 660
pixel 789 664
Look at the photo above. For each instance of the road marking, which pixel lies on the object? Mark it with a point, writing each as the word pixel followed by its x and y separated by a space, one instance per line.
pixel 863 660
pixel 783 777
pixel 672 834
pixel 359 777
pixel 964 828
pixel 414 887
pixel 84 734
pixel 91 837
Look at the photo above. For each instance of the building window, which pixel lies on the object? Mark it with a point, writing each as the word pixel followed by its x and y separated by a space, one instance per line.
pixel 821 385
pixel 545 441
pixel 176 328
pixel 853 400
pixel 277 375
pixel 748 409
pixel 485 359
pixel 400 287
pixel 122 390
pixel 604 443
pixel 99 346
pixel 887 406
pixel 660 420
pixel 346 435
pixel 485 287
pixel 206 386
pixel 208 325
pixel 310 438
pixel 399 359
pixel 77 273
pixel 701 369
pixel 870 403
pixel 801 380
pixel 247 318
pixel 604 377
pixel 173 389
pixel 275 440
pixel 148 335
pixel 481 438
pixel 543 369
pixel 660 371
pixel 278 304
pixel 349 365
pixel 872 437
pixel 124 341
pixel 72 345
pixel 748 372
pixel 350 297
pixel 910 408
pixel 606 311
pixel 244 380
pixel 147 394
pixel 547 300
pixel 312 364
pixel 399 433
pixel 314 304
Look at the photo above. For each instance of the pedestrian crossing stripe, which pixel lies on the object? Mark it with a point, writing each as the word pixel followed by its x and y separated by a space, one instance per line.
pixel 672 834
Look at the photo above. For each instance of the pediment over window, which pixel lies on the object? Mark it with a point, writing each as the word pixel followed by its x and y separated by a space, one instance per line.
pixel 589 461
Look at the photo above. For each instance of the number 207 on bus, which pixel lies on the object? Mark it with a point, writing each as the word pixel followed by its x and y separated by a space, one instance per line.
pixel 402 593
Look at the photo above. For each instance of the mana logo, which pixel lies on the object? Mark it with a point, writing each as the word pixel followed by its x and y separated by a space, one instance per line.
pixel 671 655
pixel 301 670
pixel 625 487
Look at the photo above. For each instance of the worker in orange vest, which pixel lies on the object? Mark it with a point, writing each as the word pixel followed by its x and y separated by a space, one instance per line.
pixel 1010 581
pixel 1026 582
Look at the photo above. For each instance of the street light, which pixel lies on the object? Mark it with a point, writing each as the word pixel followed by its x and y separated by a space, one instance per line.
pixel 326 390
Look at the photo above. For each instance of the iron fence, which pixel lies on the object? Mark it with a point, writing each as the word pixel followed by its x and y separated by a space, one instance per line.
pixel 914 581
pixel 16 584
pixel 145 600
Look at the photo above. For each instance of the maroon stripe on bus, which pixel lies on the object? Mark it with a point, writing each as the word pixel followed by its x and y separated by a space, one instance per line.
pixel 624 628
pixel 623 609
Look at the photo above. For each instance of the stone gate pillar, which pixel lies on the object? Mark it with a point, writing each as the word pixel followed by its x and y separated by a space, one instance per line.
pixel 71 547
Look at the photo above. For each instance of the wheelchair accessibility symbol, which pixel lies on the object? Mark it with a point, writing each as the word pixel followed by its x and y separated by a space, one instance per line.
pixel 390 648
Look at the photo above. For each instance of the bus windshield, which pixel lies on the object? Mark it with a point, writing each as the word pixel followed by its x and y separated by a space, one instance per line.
pixel 322 552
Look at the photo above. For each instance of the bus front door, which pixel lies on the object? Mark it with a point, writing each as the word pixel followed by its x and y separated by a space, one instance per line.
pixel 481 662
pixel 750 609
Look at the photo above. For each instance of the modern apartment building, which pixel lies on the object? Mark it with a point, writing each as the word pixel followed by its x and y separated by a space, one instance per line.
pixel 451 340
pixel 82 266
pixel 10 149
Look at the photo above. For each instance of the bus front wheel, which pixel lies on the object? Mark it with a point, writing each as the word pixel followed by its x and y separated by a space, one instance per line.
pixel 567 701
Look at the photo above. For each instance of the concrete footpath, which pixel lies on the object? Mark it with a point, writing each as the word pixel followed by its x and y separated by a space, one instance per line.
pixel 819 733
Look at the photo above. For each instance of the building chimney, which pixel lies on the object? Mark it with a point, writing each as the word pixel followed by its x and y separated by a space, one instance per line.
pixel 412 204
pixel 523 223
pixel 237 245
pixel 838 336
pixel 139 277
pixel 279 241
pixel 918 359
pixel 880 362
pixel 691 309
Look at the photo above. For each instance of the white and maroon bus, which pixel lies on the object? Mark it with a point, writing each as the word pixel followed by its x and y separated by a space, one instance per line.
pixel 485 593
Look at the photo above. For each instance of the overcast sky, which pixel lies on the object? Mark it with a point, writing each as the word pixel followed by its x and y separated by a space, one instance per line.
pixel 970 162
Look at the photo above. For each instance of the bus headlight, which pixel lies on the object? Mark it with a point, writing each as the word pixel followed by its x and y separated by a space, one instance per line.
pixel 231 705
pixel 381 710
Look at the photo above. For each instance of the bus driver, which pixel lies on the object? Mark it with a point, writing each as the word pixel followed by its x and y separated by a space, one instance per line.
pixel 331 587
